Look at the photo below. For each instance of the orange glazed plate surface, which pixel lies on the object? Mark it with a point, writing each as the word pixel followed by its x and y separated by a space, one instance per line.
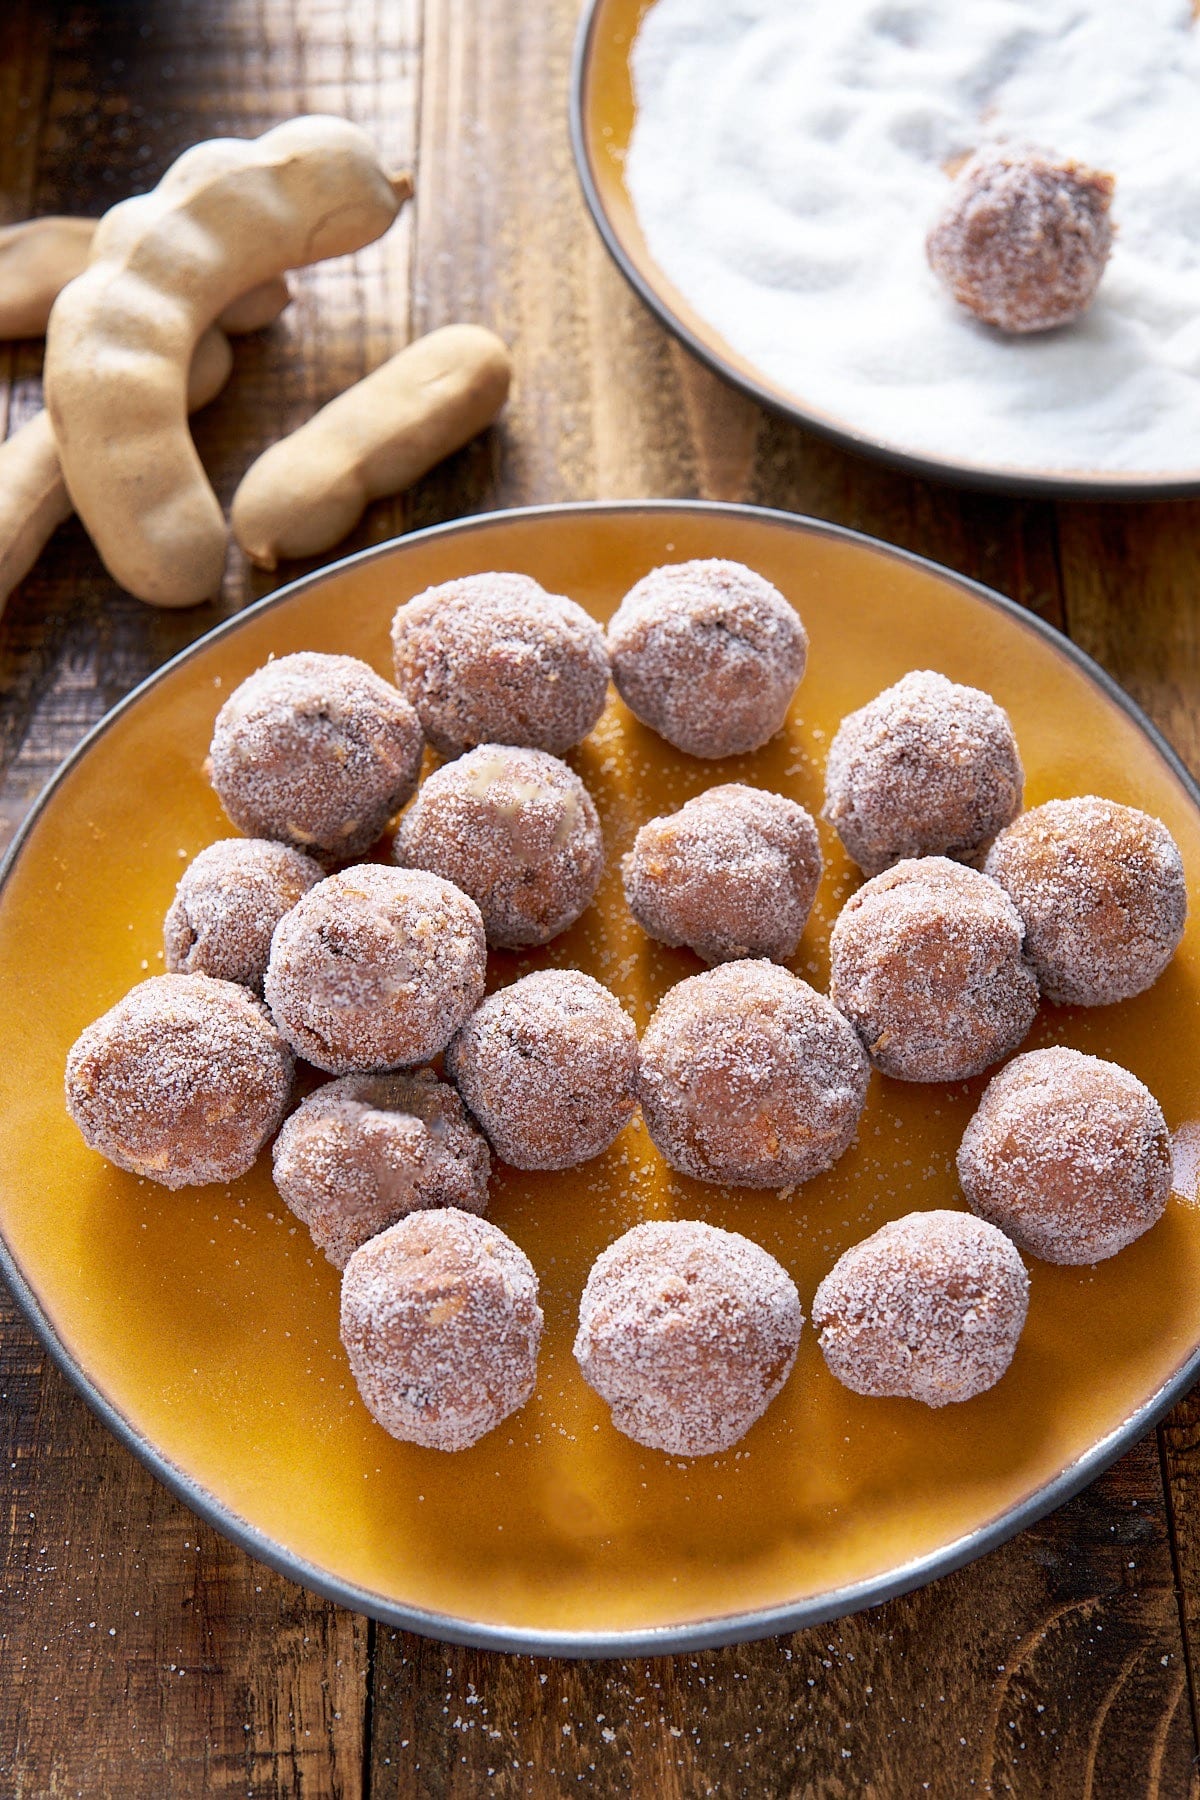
pixel 602 119
pixel 203 1325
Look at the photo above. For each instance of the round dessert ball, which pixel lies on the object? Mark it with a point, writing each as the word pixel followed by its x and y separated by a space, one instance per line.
pixel 929 1307
pixel 1103 895
pixel 688 1333
pixel 709 655
pixel 1023 238
pixel 317 752
pixel 376 968
pixel 548 1067
pixel 514 828
pixel 228 904
pixel 183 1080
pixel 926 963
pixel 927 768
pixel 495 659
pixel 441 1323
pixel 748 1076
pixel 1068 1154
pixel 732 874
pixel 366 1150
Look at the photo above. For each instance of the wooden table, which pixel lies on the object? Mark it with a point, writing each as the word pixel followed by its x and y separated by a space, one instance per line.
pixel 142 1654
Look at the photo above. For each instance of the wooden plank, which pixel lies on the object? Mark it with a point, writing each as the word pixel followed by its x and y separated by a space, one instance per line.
pixel 219 1676
pixel 916 1697
pixel 1131 576
pixel 1179 1440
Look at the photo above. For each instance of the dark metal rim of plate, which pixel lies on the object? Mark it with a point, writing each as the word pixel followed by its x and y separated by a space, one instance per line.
pixel 661 1640
pixel 1067 486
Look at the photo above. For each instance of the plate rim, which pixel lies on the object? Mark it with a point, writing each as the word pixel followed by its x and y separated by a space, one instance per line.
pixel 1069 485
pixel 703 1634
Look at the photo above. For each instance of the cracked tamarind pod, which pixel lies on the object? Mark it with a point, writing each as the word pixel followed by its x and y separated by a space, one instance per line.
pixel 228 215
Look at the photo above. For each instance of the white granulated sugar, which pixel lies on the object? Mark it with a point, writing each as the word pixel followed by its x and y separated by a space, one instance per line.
pixel 789 157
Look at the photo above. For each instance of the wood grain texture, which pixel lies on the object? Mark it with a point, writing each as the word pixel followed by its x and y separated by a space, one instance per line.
pixel 1057 1665
pixel 1131 576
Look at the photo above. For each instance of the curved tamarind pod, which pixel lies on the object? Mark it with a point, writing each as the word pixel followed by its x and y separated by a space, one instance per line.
pixel 33 495
pixel 40 256
pixel 226 216
pixel 307 491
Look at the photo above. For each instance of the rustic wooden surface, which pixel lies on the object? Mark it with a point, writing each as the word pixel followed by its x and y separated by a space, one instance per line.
pixel 142 1655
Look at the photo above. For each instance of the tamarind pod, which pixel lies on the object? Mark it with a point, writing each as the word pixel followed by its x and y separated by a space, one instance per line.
pixel 378 437
pixel 256 309
pixel 33 495
pixel 37 259
pixel 33 499
pixel 228 215
pixel 40 256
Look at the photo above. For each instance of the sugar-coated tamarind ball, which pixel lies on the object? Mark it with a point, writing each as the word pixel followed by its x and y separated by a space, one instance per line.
pixel 1102 893
pixel 1068 1154
pixel 748 1076
pixel 688 1332
pixel 927 768
pixel 930 1307
pixel 316 751
pixel 495 659
pixel 927 964
pixel 548 1067
pixel 514 828
pixel 709 655
pixel 366 1150
pixel 732 874
pixel 183 1080
pixel 227 904
pixel 1023 238
pixel 441 1323
pixel 376 968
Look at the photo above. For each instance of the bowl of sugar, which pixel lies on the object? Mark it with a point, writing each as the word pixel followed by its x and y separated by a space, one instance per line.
pixel 766 177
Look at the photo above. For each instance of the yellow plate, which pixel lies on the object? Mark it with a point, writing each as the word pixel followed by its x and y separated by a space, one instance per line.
pixel 203 1325
pixel 602 118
